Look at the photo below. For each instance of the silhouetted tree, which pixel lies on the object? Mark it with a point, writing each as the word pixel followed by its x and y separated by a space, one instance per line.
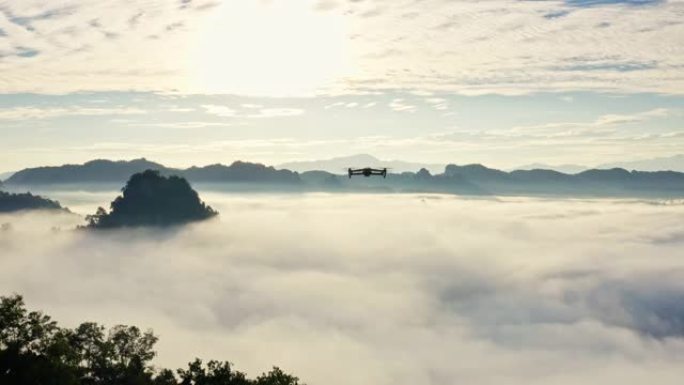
pixel 215 373
pixel 35 350
pixel 276 377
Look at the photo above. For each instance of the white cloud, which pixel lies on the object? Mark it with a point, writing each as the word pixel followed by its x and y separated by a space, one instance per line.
pixel 222 111
pixel 271 112
pixel 27 113
pixel 276 112
pixel 435 100
pixel 251 105
pixel 604 124
pixel 181 125
pixel 531 291
pixel 468 47
pixel 399 105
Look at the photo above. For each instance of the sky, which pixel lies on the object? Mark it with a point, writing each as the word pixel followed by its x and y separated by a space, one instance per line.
pixel 476 291
pixel 195 82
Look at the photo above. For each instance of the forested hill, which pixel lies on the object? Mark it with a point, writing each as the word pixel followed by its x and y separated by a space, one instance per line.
pixel 17 202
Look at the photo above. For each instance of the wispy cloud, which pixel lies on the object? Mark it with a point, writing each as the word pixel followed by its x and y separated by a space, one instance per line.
pixel 222 111
pixel 464 47
pixel 28 113
pixel 400 105
pixel 600 126
pixel 253 111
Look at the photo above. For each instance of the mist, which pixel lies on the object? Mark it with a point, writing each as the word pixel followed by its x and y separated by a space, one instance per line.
pixel 378 289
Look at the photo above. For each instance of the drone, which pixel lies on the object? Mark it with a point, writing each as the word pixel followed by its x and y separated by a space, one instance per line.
pixel 367 171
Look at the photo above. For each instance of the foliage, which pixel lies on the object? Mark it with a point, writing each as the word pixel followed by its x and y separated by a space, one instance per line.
pixel 150 199
pixel 35 350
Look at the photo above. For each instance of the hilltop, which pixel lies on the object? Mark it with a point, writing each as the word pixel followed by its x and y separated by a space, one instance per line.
pixel 10 202
pixel 150 199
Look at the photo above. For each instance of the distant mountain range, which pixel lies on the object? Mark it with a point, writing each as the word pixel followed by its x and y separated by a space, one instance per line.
pixel 564 168
pixel 118 172
pixel 474 179
pixel 670 163
pixel 340 164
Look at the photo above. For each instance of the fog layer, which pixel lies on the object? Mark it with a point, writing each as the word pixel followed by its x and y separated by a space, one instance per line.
pixel 379 289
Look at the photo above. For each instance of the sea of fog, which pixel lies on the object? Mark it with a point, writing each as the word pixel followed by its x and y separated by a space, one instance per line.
pixel 351 289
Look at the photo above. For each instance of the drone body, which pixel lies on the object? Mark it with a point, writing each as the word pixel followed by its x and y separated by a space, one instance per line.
pixel 367 172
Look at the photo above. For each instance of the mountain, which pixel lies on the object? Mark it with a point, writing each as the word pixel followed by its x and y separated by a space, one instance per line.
pixel 240 172
pixel 118 172
pixel 564 168
pixel 471 179
pixel 150 199
pixel 95 171
pixel 477 172
pixel 340 164
pixel 670 163
pixel 16 202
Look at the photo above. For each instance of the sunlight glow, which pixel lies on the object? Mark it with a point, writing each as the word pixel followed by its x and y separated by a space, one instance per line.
pixel 269 48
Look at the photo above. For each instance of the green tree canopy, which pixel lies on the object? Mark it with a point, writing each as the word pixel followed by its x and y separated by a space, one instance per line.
pixel 34 350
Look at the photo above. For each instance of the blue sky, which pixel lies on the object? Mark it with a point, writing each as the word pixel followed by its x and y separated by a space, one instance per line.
pixel 504 83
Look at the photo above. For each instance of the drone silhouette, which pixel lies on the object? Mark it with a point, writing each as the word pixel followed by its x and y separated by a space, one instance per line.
pixel 367 171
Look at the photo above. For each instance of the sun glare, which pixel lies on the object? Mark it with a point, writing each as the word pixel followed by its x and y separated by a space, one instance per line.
pixel 270 48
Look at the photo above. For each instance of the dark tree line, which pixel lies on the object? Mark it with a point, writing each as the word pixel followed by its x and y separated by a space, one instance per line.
pixel 150 199
pixel 34 350
pixel 14 202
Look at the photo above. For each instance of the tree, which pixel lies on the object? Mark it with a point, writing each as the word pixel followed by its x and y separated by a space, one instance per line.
pixel 35 350
pixel 215 373
pixel 276 377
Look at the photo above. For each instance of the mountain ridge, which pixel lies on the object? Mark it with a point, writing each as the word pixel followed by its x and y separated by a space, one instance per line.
pixel 475 179
pixel 339 164
pixel 667 163
pixel 107 171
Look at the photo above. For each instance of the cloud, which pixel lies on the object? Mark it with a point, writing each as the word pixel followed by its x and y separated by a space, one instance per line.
pixel 24 113
pixel 250 105
pixel 325 5
pixel 181 125
pixel 466 47
pixel 531 291
pixel 590 3
pixel 399 105
pixel 276 112
pixel 602 125
pixel 222 111
pixel 271 112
